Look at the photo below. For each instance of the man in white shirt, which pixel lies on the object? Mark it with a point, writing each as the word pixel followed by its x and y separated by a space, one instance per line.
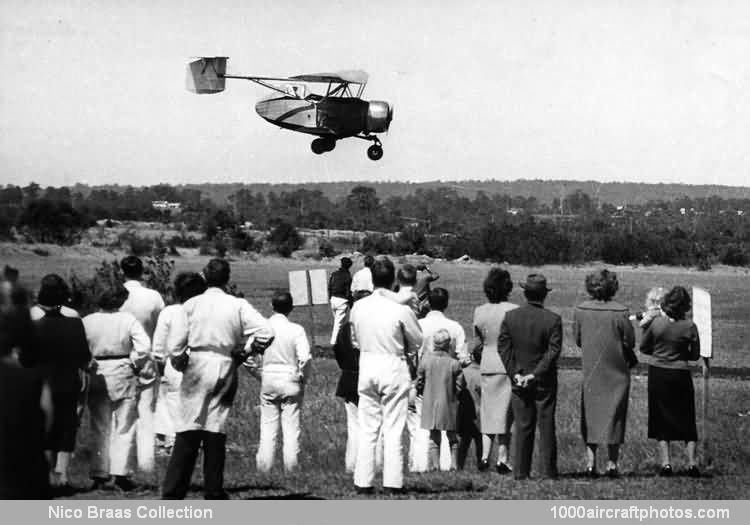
pixel 285 365
pixel 362 280
pixel 145 304
pixel 434 321
pixel 388 337
pixel 216 333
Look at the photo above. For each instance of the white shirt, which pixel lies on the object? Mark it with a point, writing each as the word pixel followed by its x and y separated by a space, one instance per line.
pixel 435 321
pixel 161 332
pixel 144 303
pixel 381 326
pixel 405 295
pixel 290 350
pixel 112 334
pixel 362 281
pixel 37 312
pixel 217 321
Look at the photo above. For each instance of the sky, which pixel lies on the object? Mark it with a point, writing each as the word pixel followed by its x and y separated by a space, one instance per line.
pixel 604 90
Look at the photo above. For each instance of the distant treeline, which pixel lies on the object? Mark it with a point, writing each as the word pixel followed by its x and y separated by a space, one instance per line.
pixel 441 221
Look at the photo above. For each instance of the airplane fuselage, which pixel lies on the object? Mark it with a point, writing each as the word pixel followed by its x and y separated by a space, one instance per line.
pixel 332 117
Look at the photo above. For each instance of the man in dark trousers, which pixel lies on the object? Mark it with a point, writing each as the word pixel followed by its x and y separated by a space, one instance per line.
pixel 529 345
pixel 340 295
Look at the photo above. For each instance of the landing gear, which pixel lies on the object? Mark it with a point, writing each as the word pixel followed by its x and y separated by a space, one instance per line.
pixel 375 152
pixel 322 145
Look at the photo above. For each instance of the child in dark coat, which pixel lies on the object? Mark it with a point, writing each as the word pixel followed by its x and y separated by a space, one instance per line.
pixel 468 410
pixel 440 381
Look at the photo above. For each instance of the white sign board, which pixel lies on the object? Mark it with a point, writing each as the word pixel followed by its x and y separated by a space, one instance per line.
pixel 319 286
pixel 702 319
pixel 298 288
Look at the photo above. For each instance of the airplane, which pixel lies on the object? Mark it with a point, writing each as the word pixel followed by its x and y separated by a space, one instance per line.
pixel 339 113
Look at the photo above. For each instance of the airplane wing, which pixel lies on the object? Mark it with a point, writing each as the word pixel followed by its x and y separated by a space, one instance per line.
pixel 350 77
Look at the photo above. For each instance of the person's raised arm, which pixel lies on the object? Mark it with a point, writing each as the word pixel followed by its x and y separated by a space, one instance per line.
pixel 304 356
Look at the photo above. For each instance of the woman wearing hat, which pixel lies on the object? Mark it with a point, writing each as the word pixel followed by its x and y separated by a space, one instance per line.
pixel 605 335
pixel 61 354
pixel 495 416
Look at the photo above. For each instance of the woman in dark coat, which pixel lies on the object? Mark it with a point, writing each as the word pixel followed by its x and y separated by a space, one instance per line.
pixel 61 355
pixel 25 405
pixel 605 335
pixel 672 341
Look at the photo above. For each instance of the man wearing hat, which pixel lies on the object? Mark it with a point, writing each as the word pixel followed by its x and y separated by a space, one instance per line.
pixel 529 345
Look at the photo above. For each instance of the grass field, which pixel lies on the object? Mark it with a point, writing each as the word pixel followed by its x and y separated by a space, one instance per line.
pixel 725 463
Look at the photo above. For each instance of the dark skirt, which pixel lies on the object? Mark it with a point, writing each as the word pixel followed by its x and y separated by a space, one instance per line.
pixel 671 405
pixel 62 437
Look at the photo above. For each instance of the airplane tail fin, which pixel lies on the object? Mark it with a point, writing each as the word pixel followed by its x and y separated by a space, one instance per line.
pixel 206 75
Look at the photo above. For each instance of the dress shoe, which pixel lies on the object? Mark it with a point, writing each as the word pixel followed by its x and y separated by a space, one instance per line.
pixel 484 464
pixel 364 491
pixel 502 468
pixel 693 471
pixel 123 483
pixel 99 483
pixel 666 471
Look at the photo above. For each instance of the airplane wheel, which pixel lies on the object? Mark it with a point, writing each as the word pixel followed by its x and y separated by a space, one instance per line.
pixel 375 152
pixel 319 146
pixel 329 144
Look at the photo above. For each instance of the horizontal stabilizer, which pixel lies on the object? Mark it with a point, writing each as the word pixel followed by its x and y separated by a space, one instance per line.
pixel 206 75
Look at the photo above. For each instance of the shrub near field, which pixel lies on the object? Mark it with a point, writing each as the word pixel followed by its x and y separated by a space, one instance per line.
pixel 324 431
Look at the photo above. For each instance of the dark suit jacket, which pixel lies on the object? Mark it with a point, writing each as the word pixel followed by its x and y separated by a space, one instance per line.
pixel 530 342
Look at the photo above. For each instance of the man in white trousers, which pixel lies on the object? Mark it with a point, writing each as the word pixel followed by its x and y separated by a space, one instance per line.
pixel 285 366
pixel 388 337
pixel 145 304
pixel 339 285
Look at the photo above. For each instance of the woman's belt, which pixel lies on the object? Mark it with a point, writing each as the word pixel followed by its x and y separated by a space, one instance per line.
pixel 107 357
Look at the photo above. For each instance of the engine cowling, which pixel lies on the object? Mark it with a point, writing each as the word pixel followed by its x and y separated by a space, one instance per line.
pixel 379 116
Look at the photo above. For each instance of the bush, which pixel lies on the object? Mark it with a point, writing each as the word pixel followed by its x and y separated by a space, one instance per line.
pixel 284 239
pixel 377 244
pixel 157 274
pixel 734 255
pixel 326 249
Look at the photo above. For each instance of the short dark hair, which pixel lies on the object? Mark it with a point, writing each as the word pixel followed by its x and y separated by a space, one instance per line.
pixel 282 302
pixel 407 275
pixel 346 263
pixel 602 284
pixel 112 297
pixel 538 295
pixel 438 299
pixel 383 273
pixel 497 285
pixel 187 285
pixel 216 272
pixel 132 267
pixel 676 303
pixel 53 291
pixel 369 260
